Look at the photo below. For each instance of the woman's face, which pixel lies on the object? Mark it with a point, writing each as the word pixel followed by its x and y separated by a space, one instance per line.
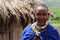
pixel 41 16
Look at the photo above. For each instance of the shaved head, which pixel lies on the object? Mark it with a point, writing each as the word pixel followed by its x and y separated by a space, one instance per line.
pixel 41 14
pixel 41 6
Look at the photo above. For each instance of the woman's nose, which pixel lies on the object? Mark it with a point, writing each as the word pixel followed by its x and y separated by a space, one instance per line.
pixel 41 16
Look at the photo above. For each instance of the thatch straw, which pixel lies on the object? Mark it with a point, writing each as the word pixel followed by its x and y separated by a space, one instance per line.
pixel 12 11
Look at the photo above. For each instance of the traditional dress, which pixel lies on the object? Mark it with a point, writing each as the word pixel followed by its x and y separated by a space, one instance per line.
pixel 31 33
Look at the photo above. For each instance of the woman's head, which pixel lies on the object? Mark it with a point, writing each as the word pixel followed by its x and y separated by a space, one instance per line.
pixel 41 14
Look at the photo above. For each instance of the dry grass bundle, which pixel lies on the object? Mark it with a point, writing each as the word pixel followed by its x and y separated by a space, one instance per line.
pixel 16 12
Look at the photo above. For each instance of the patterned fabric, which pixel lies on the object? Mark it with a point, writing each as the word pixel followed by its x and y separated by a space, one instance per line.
pixel 49 34
pixel 35 38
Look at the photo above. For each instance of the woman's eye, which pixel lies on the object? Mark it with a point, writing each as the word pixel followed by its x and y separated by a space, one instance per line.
pixel 38 14
pixel 41 14
pixel 44 14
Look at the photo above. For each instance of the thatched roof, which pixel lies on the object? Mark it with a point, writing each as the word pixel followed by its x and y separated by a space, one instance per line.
pixel 13 10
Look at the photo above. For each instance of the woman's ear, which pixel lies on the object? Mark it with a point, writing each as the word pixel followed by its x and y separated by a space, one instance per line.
pixel 34 17
pixel 48 14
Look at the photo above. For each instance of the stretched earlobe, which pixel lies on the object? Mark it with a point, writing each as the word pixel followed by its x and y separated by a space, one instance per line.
pixel 48 14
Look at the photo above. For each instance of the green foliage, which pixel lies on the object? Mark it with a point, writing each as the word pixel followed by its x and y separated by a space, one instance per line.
pixel 56 18
pixel 55 21
pixel 56 11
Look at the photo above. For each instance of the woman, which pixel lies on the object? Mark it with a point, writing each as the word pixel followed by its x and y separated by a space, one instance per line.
pixel 41 29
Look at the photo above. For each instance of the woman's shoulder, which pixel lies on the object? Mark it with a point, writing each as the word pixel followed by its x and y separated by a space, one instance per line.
pixel 28 29
pixel 50 28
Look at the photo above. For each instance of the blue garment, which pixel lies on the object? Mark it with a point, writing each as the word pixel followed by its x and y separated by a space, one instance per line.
pixel 49 34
